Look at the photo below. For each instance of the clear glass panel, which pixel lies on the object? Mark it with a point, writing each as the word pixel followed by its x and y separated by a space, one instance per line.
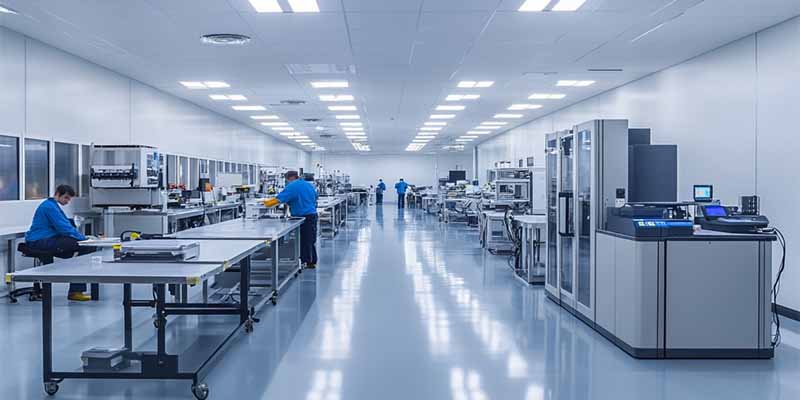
pixel 37 169
pixel 212 172
pixel 66 165
pixel 86 166
pixel 552 212
pixel 183 171
pixel 9 168
pixel 566 195
pixel 584 161
pixel 227 167
pixel 172 171
pixel 194 174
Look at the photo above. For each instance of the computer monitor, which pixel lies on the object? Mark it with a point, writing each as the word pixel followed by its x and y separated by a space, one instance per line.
pixel 715 211
pixel 457 175
pixel 703 193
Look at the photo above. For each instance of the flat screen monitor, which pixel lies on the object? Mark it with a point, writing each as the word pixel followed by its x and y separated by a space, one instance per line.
pixel 715 211
pixel 456 176
pixel 703 193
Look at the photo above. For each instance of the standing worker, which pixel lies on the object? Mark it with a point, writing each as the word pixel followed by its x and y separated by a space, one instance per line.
pixel 301 197
pixel 53 233
pixel 379 192
pixel 401 188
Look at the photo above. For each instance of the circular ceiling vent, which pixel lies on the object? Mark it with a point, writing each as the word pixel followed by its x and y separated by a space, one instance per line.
pixel 225 39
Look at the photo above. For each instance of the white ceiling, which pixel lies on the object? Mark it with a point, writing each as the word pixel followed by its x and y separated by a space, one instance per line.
pixel 408 54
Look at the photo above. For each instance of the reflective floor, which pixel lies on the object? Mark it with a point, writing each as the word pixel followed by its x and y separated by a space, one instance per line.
pixel 401 307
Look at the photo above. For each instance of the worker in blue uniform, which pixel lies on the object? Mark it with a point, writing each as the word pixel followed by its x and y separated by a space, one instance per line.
pixel 52 232
pixel 401 188
pixel 379 192
pixel 301 197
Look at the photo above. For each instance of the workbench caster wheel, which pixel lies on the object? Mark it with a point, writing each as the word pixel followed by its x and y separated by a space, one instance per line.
pixel 50 388
pixel 200 391
pixel 248 327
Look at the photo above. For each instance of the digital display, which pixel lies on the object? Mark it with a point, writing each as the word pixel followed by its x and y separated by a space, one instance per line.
pixel 703 193
pixel 715 211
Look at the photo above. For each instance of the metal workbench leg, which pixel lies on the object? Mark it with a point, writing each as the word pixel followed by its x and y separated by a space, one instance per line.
pixel 184 293
pixel 161 320
pixel 244 292
pixel 12 262
pixel 128 318
pixel 47 333
pixel 276 262
pixel 205 292
pixel 297 248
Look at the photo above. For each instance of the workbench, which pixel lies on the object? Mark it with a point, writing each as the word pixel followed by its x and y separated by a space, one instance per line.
pixel 282 235
pixel 332 212
pixel 494 235
pixel 10 235
pixel 213 260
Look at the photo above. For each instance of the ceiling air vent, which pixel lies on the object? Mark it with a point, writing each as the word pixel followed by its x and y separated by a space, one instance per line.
pixel 224 39
pixel 604 69
pixel 320 69
pixel 326 136
pixel 292 102
pixel 311 119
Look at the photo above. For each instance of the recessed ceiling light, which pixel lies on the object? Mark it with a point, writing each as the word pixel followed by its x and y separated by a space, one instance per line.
pixel 508 116
pixel 534 5
pixel 353 129
pixel 484 84
pixel 193 85
pixel 266 6
pixel 464 140
pixel 260 117
pixel 350 124
pixel 336 97
pixel 7 10
pixel 436 123
pixel 459 97
pixel 342 108
pixel 523 107
pixel 469 137
pixel 426 137
pixel 289 134
pixel 216 84
pixel 232 97
pixel 354 116
pixel 282 128
pixel 236 97
pixel 475 84
pixel 494 123
pixel 442 116
pixel 308 144
pixel 450 108
pixel 218 97
pixel 304 6
pixel 431 128
pixel 574 83
pixel 478 132
pixel 546 96
pixel 275 123
pixel 330 84
pixel 420 141
pixel 249 108
pixel 568 5
pixel 487 127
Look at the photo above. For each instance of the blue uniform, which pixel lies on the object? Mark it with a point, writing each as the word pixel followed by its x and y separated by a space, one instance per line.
pixel 381 187
pixel 301 198
pixel 401 187
pixel 49 222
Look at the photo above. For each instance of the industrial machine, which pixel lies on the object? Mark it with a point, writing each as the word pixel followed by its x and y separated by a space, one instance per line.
pixel 510 188
pixel 724 219
pixel 159 250
pixel 126 175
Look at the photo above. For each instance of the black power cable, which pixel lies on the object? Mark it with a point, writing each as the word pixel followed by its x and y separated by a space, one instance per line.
pixel 776 288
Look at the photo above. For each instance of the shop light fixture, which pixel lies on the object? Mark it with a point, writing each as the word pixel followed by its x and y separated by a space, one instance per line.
pixel 354 129
pixel 350 124
pixel 425 137
pixel 348 116
pixel 546 96
pixel 304 6
pixel 459 97
pixel 290 134
pixel 475 84
pixel 342 108
pixel 442 116
pixel 568 5
pixel 431 128
pixel 330 84
pixel 450 108
pixel 263 117
pixel 534 5
pixel 493 123
pixel 249 108
pixel 508 116
pixel 266 6
pixel 230 97
pixel 464 140
pixel 336 97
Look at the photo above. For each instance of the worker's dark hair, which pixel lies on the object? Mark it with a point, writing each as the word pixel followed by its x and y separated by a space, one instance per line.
pixel 65 189
pixel 291 174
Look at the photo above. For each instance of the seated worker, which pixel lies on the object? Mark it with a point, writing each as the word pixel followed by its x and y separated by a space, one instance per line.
pixel 51 231
pixel 301 196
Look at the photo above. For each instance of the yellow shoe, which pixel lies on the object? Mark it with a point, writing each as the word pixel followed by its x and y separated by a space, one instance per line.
pixel 311 265
pixel 79 296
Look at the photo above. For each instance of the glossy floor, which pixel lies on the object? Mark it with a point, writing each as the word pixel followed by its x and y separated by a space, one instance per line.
pixel 401 307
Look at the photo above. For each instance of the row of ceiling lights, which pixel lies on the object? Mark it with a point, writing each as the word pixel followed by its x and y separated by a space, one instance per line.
pixel 350 124
pixel 295 6
pixel 271 121
pixel 545 5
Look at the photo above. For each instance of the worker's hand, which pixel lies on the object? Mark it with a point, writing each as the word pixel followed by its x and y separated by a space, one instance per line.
pixel 271 202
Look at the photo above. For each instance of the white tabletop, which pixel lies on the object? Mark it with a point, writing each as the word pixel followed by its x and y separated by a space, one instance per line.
pixel 243 229
pixel 13 230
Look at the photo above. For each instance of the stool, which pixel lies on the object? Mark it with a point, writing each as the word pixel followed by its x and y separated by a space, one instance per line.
pixel 39 258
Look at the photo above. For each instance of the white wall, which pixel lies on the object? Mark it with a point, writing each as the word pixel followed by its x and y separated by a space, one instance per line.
pixel 416 169
pixel 731 112
pixel 46 93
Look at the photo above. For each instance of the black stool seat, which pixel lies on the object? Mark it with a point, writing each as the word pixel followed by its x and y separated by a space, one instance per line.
pixel 42 257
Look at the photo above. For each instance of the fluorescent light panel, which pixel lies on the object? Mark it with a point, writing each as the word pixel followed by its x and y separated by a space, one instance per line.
pixel 459 97
pixel 478 132
pixel 450 108
pixel 330 84
pixel 304 6
pixel 523 107
pixel 573 83
pixel 431 128
pixel 568 5
pixel 289 134
pixel 249 108
pixel 434 123
pixel 6 10
pixel 231 97
pixel 534 5
pixel 342 108
pixel 282 128
pixel 266 6
pixel 348 117
pixel 275 123
pixel 425 137
pixel 442 116
pixel 336 97
pixel 508 116
pixel 494 123
pixel 464 140
pixel 485 127
pixel 354 129
pixel 475 84
pixel 262 117
pixel 350 124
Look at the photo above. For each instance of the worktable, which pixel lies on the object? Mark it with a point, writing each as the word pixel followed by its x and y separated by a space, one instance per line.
pixel 494 235
pixel 215 258
pixel 11 234
pixel 332 213
pixel 275 232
